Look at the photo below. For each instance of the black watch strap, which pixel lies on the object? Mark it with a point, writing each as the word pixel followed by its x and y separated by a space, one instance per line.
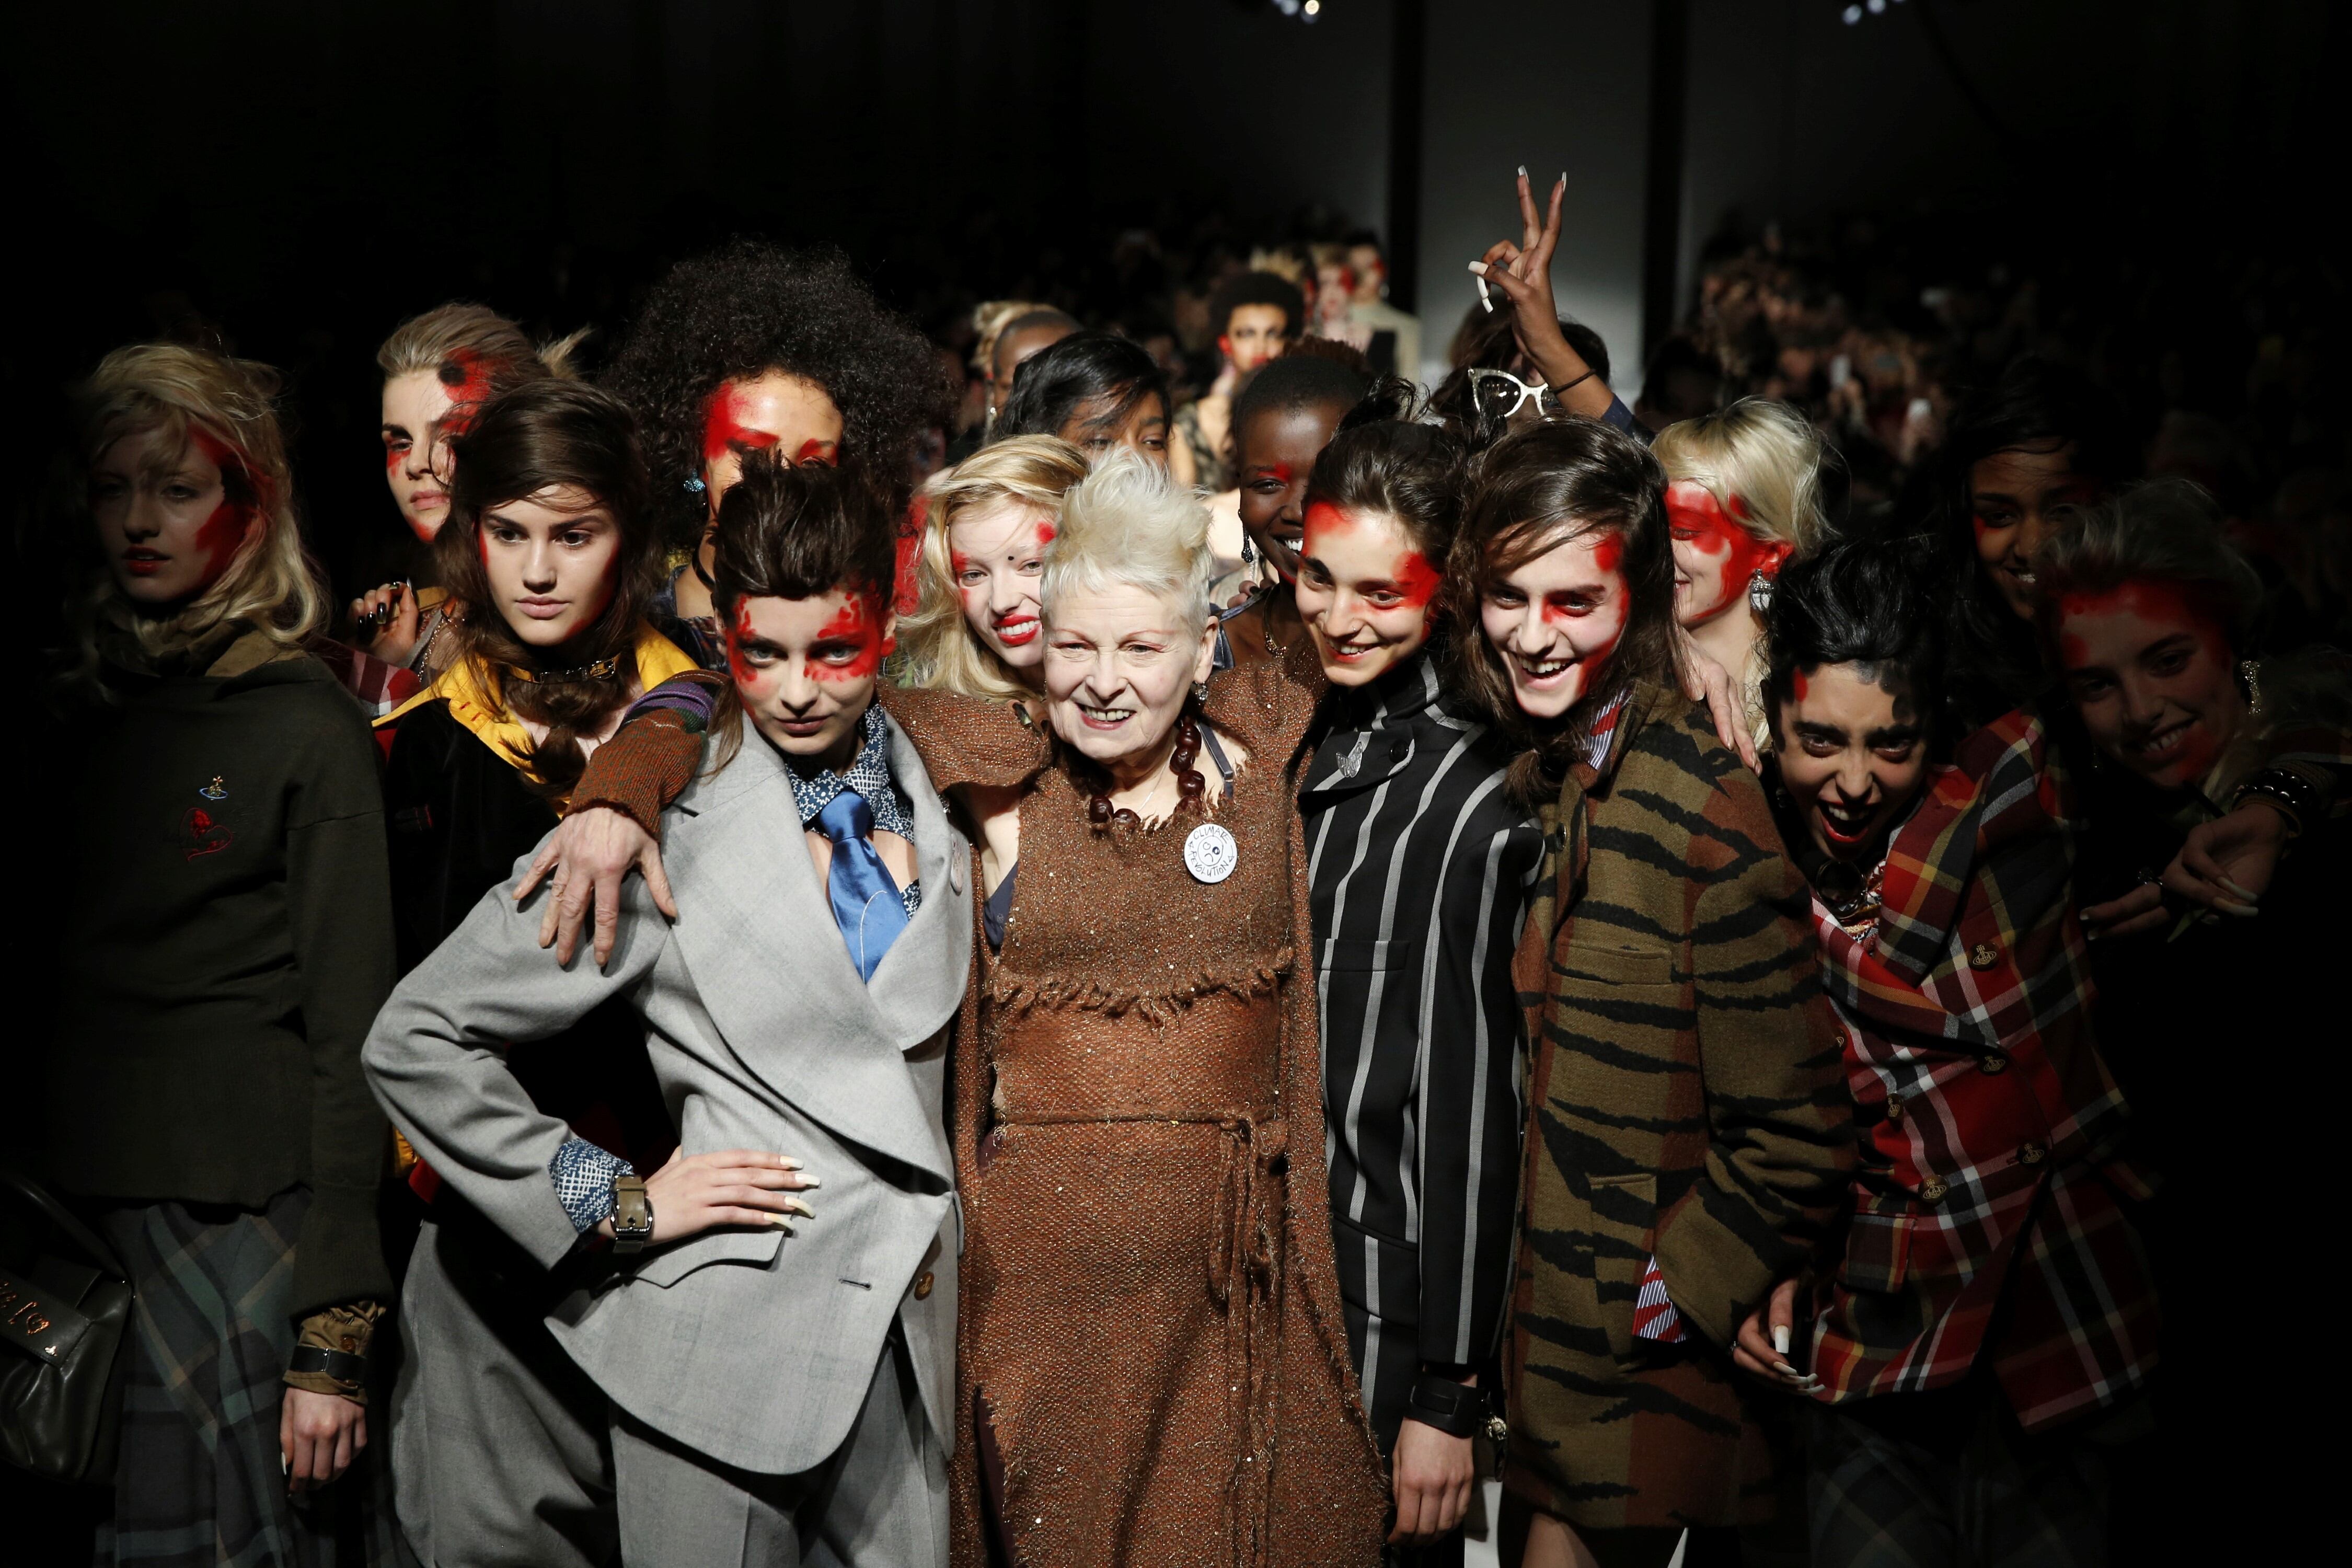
pixel 340 1365
pixel 1454 1408
pixel 632 1214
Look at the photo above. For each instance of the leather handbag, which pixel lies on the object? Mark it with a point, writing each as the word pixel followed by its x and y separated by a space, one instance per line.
pixel 65 1305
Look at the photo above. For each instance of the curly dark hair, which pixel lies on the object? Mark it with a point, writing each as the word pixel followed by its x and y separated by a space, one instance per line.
pixel 749 308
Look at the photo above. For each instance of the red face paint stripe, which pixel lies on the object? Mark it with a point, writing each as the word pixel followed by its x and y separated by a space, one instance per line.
pixel 739 633
pixel 723 430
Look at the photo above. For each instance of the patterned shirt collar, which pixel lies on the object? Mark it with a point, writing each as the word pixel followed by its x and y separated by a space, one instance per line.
pixel 1603 730
pixel 869 775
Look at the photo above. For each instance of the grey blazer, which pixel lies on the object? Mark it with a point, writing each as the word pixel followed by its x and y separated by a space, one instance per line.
pixel 748 1346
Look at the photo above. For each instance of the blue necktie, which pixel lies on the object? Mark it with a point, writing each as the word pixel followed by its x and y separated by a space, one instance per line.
pixel 865 902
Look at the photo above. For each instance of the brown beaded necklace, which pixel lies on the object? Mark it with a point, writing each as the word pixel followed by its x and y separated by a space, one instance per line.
pixel 1191 787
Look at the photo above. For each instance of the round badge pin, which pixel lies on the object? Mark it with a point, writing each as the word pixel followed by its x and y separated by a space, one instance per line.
pixel 1210 853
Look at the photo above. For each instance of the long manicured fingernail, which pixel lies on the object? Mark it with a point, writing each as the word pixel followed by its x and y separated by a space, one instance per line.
pixel 1781 1338
pixel 808 1180
pixel 793 1205
pixel 2243 911
pixel 1523 171
pixel 1563 179
pixel 2249 897
pixel 779 1219
pixel 789 1163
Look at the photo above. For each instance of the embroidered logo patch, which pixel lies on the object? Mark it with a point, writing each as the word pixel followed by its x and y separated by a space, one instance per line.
pixel 216 790
pixel 206 834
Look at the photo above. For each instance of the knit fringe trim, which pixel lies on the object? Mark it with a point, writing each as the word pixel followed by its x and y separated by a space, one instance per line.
pixel 1017 996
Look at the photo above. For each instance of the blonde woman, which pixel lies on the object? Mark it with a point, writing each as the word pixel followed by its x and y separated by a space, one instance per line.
pixel 222 948
pixel 1743 495
pixel 977 627
pixel 439 368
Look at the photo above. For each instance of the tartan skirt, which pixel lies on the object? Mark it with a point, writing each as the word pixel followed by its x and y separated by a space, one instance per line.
pixel 201 1479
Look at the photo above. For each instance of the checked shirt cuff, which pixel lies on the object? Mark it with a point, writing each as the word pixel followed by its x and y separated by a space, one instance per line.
pixel 1655 1317
pixel 582 1174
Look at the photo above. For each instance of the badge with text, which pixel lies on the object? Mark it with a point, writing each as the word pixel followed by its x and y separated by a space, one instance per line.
pixel 1210 853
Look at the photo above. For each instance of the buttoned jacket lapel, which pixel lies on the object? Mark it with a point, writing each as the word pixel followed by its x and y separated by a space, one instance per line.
pixel 759 938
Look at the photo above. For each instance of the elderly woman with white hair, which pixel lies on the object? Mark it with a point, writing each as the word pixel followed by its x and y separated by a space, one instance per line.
pixel 1153 1343
pixel 1153 1362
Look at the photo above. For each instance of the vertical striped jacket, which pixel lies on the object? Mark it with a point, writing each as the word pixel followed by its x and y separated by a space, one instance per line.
pixel 1420 868
pixel 1686 1101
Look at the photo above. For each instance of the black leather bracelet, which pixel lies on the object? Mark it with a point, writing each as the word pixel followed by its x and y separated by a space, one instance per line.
pixel 340 1365
pixel 1454 1408
pixel 2294 794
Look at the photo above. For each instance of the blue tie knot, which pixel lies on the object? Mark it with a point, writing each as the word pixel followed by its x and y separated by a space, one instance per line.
pixel 845 816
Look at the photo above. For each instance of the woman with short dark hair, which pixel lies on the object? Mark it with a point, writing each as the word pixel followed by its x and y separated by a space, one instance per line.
pixel 1094 389
pixel 1990 1304
pixel 1253 316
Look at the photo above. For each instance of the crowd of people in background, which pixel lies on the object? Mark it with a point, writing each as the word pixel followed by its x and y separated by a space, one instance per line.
pixel 1175 922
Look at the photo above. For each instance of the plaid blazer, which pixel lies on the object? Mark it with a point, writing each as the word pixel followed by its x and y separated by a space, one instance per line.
pixel 1992 1214
pixel 1687 1102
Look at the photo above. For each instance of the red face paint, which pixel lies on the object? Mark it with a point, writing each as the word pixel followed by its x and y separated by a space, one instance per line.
pixel 1797 683
pixel 1417 580
pixel 466 379
pixel 1608 551
pixel 1723 544
pixel 1322 521
pixel 825 452
pixel 1046 534
pixel 392 456
pixel 724 430
pixel 747 675
pixel 219 534
pixel 2162 708
pixel 859 624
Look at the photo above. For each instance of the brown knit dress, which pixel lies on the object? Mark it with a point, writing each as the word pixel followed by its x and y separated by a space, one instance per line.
pixel 1151 1318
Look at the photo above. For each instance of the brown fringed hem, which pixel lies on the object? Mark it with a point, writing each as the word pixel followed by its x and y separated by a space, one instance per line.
pixel 1016 996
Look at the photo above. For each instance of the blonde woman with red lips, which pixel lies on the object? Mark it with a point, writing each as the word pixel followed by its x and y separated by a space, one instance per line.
pixel 977 625
pixel 438 368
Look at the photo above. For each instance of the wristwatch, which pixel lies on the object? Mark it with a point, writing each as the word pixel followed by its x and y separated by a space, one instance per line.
pixel 632 1214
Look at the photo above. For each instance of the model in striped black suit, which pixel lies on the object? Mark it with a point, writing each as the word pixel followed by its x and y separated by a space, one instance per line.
pixel 1420 868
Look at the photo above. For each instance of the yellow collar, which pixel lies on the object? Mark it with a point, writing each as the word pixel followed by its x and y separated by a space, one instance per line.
pixel 474 702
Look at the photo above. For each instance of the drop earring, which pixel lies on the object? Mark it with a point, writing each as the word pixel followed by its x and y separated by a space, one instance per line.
pixel 1760 594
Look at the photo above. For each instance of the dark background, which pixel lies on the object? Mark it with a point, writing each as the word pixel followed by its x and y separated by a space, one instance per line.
pixel 2149 187
pixel 299 177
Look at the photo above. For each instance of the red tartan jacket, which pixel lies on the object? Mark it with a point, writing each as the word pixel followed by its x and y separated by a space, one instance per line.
pixel 1991 1174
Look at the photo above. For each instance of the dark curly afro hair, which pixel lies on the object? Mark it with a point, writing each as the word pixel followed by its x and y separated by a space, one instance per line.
pixel 749 308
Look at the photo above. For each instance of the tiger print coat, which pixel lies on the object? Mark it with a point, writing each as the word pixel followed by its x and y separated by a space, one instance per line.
pixel 1686 1101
